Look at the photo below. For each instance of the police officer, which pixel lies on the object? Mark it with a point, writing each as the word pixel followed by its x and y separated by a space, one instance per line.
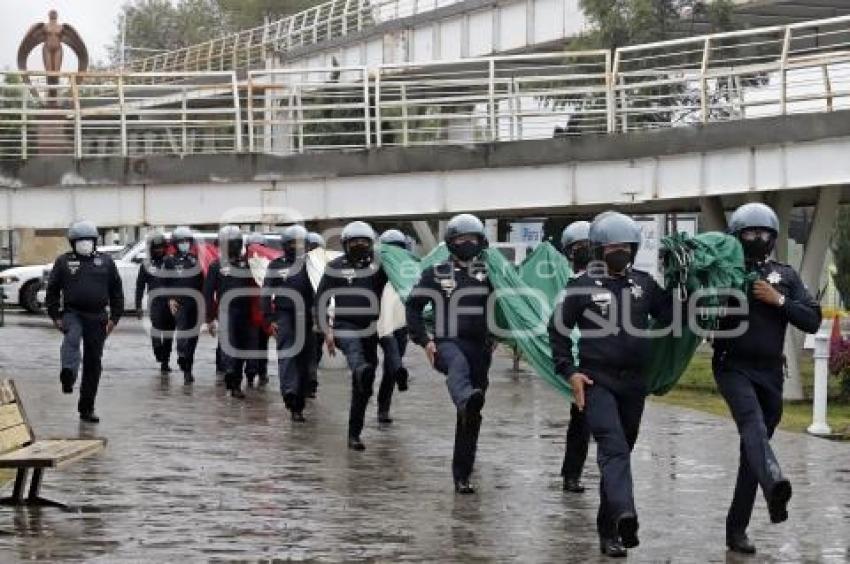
pixel 393 346
pixel 355 281
pixel 288 308
pixel 258 367
pixel 186 283
pixel 315 241
pixel 607 381
pixel 575 244
pixel 162 321
pixel 82 284
pixel 231 274
pixel 461 346
pixel 749 371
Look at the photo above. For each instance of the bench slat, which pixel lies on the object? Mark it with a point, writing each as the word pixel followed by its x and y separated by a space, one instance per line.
pixel 7 394
pixel 51 453
pixel 14 437
pixel 10 415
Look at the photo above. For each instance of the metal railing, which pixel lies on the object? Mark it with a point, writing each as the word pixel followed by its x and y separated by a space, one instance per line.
pixel 724 77
pixel 249 49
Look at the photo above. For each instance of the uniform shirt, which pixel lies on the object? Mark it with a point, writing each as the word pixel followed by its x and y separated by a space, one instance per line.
pixel 220 280
pixel 150 277
pixel 450 320
pixel 341 275
pixel 291 276
pixel 765 336
pixel 86 285
pixel 607 297
pixel 184 273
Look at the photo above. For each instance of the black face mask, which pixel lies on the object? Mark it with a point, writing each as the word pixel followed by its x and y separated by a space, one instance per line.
pixel 359 254
pixel 580 257
pixel 756 250
pixel 234 249
pixel 289 253
pixel 466 250
pixel 617 261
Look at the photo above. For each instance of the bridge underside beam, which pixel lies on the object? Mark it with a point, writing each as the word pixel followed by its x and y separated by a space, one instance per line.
pixel 668 182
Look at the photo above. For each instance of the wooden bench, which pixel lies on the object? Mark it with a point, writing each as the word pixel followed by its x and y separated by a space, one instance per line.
pixel 21 451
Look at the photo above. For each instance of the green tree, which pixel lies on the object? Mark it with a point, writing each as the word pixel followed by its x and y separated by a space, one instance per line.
pixel 841 255
pixel 245 14
pixel 165 25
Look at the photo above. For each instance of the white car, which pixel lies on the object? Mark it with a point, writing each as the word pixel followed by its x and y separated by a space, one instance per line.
pixel 21 284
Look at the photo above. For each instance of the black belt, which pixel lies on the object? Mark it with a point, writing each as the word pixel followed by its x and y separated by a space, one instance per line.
pixel 750 361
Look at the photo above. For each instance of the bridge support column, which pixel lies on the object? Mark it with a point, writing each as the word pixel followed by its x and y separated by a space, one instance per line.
pixel 427 238
pixel 814 259
pixel 783 205
pixel 712 214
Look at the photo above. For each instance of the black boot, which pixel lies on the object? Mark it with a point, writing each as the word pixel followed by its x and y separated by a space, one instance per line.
pixel 384 417
pixel 627 528
pixel 612 548
pixel 236 392
pixel 475 402
pixel 89 417
pixel 249 380
pixel 297 417
pixel 263 380
pixel 777 501
pixel 354 443
pixel 573 485
pixel 188 379
pixel 740 543
pixel 66 377
pixel 463 487
pixel 164 368
pixel 401 378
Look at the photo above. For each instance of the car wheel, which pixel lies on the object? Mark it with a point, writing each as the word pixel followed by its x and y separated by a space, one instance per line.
pixel 29 297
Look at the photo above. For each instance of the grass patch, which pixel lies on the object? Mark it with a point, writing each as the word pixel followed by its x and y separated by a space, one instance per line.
pixel 697 390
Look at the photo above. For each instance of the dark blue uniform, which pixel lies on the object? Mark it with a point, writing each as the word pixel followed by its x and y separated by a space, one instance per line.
pixel 237 336
pixel 186 282
pixel 749 371
pixel 393 371
pixel 464 345
pixel 289 302
pixel 79 290
pixel 349 285
pixel 162 321
pixel 615 362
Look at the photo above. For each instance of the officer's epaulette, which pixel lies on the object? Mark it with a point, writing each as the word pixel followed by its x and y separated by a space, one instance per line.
pixel 639 272
pixel 778 263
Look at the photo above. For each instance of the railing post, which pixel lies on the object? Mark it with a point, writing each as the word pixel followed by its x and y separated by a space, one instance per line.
pixel 24 103
pixel 405 129
pixel 819 425
pixel 491 98
pixel 783 70
pixel 122 108
pixel 703 81
pixel 250 104
pixel 237 112
pixel 366 109
pixel 612 68
pixel 78 124
pixel 378 126
pixel 184 134
pixel 360 4
pixel 827 86
pixel 299 117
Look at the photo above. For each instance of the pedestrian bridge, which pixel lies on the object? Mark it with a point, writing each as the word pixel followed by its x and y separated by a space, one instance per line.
pixel 655 127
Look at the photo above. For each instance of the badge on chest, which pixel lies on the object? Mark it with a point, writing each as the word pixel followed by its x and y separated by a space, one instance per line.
pixel 602 300
pixel 73 266
pixel 448 285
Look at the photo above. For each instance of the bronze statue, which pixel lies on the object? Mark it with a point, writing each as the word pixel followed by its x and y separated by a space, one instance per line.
pixel 52 35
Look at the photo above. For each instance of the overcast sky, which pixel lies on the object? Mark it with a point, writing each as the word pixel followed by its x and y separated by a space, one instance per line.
pixel 94 19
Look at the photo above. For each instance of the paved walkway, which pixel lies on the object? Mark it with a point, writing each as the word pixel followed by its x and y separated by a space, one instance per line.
pixel 192 475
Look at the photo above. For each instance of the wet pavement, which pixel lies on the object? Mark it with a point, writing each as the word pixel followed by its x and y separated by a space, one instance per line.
pixel 190 474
